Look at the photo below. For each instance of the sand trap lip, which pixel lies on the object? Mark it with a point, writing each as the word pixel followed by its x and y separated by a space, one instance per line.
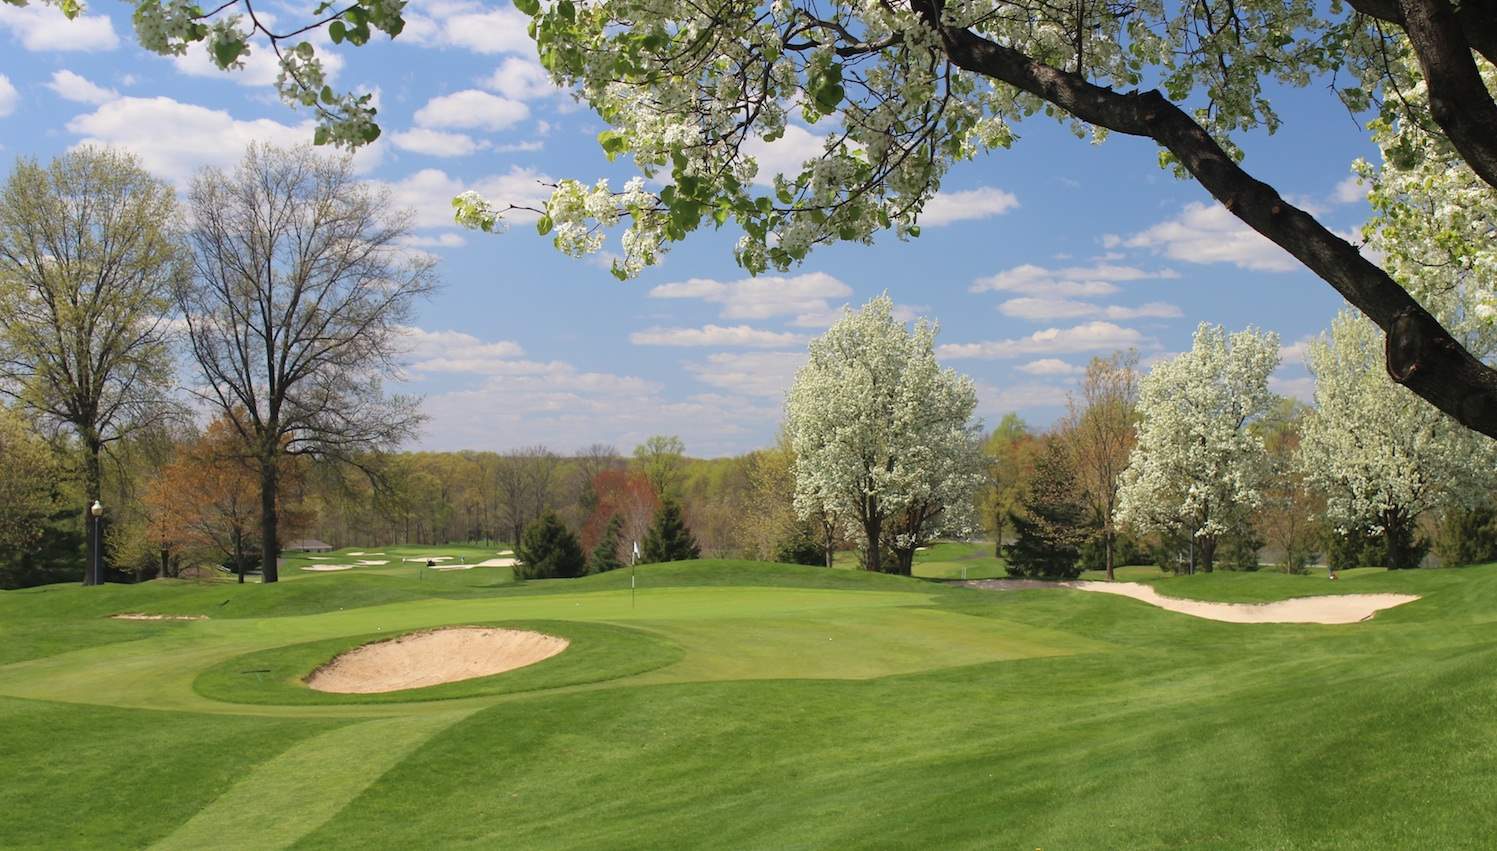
pixel 327 567
pixel 1328 609
pixel 142 616
pixel 433 657
pixel 497 562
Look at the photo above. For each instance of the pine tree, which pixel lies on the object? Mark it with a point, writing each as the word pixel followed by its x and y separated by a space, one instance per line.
pixel 1051 524
pixel 668 538
pixel 549 550
pixel 606 554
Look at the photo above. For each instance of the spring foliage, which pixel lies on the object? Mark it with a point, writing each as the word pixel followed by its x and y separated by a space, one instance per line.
pixel 882 434
pixel 1197 467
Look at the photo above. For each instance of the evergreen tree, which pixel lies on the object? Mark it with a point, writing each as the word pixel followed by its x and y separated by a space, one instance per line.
pixel 1052 523
pixel 549 550
pixel 668 538
pixel 606 554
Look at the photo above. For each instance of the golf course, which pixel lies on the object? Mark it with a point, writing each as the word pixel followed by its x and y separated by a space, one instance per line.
pixel 747 704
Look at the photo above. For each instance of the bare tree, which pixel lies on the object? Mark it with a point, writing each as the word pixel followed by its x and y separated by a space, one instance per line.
pixel 296 308
pixel 1100 430
pixel 526 482
pixel 88 258
pixel 592 460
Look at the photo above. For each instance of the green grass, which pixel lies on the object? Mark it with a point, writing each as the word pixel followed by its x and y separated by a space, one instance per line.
pixel 735 704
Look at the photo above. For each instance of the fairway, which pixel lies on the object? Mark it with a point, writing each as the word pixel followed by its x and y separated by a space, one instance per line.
pixel 738 704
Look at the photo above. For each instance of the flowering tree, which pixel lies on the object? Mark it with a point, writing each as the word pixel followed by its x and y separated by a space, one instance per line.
pixel 1197 467
pixel 883 436
pixel 1381 458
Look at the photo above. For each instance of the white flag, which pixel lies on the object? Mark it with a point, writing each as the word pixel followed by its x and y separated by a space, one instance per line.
pixel 636 550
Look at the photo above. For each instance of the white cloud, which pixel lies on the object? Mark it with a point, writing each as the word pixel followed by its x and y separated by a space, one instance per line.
pixel 1295 352
pixel 965 204
pixel 1088 337
pixel 521 79
pixel 1349 191
pixel 995 401
pixel 437 143
pixel 762 374
pixel 40 27
pixel 472 108
pixel 785 155
pixel 762 297
pixel 441 240
pixel 1050 366
pixel 9 97
pixel 429 193
pixel 717 335
pixel 456 352
pixel 1068 282
pixel 79 89
pixel 1302 388
pixel 260 67
pixel 1208 233
pixel 175 139
pixel 469 25
pixel 1038 309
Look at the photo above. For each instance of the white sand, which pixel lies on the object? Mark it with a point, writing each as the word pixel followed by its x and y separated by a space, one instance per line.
pixel 425 559
pixel 498 562
pixel 327 567
pixel 320 558
pixel 453 566
pixel 432 658
pixel 142 616
pixel 506 552
pixel 376 561
pixel 1330 609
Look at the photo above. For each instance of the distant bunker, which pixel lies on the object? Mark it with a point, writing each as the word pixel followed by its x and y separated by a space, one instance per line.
pixel 433 657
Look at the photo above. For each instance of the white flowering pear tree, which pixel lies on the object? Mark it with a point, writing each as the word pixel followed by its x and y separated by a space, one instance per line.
pixel 1435 223
pixel 1380 457
pixel 1197 468
pixel 898 90
pixel 884 436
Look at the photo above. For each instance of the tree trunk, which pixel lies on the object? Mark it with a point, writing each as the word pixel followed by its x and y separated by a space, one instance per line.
pixel 239 555
pixel 166 562
pixel 1207 546
pixel 872 552
pixel 92 485
pixel 1107 539
pixel 270 548
pixel 1398 540
pixel 904 561
pixel 830 533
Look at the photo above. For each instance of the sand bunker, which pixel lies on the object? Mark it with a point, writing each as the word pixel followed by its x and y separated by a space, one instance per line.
pixel 498 562
pixel 453 566
pixel 320 558
pixel 1337 608
pixel 327 567
pixel 506 552
pixel 375 561
pixel 142 616
pixel 434 657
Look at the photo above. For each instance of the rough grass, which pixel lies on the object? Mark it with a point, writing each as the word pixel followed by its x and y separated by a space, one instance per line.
pixel 804 708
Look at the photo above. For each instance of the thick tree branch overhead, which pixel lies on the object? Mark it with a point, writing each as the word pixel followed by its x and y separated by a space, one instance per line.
pixel 1422 354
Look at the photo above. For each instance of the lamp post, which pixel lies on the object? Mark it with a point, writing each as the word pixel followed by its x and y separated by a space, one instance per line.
pixel 96 554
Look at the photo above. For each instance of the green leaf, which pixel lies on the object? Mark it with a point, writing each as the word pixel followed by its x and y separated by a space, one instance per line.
pixel 335 31
pixel 371 132
pixel 528 7
pixel 543 225
pixel 567 11
pixel 319 137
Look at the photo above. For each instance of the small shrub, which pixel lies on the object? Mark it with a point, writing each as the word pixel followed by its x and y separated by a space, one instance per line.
pixel 606 554
pixel 549 550
pixel 668 538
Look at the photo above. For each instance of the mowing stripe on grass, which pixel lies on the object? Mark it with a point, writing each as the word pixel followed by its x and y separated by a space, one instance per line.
pixel 307 785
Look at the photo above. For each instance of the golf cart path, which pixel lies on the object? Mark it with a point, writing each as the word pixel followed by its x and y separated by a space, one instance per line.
pixel 1328 609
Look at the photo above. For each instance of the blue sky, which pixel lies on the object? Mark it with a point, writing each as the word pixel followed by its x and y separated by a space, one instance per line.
pixel 1034 260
